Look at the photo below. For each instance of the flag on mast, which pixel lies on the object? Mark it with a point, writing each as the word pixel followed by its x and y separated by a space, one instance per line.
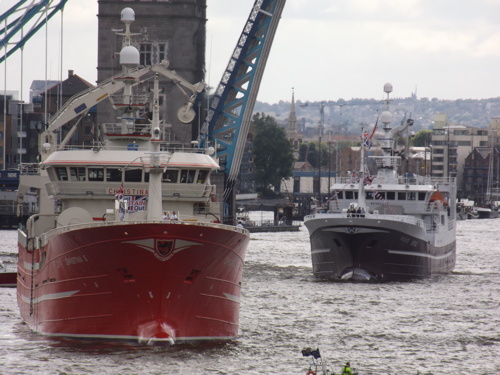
pixel 119 193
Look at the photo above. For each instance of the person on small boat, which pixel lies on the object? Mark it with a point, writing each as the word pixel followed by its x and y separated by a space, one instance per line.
pixel 347 369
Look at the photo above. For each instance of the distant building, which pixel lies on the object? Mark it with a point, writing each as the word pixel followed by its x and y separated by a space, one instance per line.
pixel 58 95
pixel 451 144
pixel 477 177
pixel 295 138
pixel 494 131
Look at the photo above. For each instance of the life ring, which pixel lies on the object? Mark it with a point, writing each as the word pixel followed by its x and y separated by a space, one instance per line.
pixel 310 372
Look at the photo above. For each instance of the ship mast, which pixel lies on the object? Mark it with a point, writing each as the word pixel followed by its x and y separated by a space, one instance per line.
pixel 155 164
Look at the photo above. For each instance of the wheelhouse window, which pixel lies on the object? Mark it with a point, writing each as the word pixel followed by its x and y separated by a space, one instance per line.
pixel 170 176
pixel 61 173
pixel 113 174
pixel 96 174
pixel 402 196
pixel 391 195
pixel 351 194
pixel 78 173
pixel 202 176
pixel 133 175
pixel 187 175
pixel 421 196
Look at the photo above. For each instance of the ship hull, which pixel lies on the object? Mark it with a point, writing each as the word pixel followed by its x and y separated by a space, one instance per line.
pixel 375 249
pixel 146 282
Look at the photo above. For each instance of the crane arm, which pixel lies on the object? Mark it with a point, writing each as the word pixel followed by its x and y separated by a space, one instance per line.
pixel 81 103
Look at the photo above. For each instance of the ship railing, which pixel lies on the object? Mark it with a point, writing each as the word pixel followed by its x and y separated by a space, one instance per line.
pixel 387 161
pixel 401 180
pixel 165 146
pixel 184 220
pixel 31 169
pixel 348 215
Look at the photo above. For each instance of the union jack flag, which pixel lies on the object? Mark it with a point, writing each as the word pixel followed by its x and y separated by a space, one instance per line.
pixel 119 193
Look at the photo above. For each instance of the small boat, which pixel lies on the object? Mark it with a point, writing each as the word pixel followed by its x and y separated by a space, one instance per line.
pixel 486 212
pixel 319 365
pixel 128 244
pixel 386 226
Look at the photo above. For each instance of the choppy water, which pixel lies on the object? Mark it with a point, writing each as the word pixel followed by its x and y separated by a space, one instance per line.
pixel 445 325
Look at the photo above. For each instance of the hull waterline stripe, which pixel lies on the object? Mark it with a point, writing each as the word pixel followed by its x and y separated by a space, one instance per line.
pixel 413 253
pixel 137 338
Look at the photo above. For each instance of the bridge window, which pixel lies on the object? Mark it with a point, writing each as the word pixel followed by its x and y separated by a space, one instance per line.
pixel 202 176
pixel 170 175
pixel 380 195
pixel 96 174
pixel 133 175
pixel 187 175
pixel 113 174
pixel 78 173
pixel 402 196
pixel 391 195
pixel 421 196
pixel 62 173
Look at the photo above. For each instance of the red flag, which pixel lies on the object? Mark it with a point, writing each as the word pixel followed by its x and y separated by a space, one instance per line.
pixel 374 128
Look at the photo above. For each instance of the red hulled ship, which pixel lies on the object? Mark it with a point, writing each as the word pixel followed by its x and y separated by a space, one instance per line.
pixel 127 244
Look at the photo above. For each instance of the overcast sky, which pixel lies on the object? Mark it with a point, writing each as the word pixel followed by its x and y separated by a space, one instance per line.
pixel 325 49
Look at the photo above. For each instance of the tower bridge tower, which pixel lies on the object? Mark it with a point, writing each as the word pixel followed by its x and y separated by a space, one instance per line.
pixel 166 29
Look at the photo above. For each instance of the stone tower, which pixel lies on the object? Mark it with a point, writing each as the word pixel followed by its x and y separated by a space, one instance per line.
pixel 293 135
pixel 168 29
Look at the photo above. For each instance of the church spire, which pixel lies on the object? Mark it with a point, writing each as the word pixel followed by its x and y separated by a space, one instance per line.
pixel 292 119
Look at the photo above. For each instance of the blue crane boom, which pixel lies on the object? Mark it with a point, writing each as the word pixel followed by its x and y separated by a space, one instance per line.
pixel 230 113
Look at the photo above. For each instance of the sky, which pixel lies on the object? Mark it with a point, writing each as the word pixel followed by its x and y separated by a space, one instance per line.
pixel 323 49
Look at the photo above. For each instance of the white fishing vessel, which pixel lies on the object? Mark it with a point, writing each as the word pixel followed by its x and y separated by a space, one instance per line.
pixel 386 226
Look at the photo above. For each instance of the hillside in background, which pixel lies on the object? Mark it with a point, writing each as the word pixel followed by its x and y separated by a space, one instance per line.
pixel 349 116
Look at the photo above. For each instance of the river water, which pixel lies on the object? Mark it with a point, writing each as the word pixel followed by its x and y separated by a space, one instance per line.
pixel 445 325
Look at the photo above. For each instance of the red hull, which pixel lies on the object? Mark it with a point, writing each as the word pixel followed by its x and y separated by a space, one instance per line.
pixel 145 282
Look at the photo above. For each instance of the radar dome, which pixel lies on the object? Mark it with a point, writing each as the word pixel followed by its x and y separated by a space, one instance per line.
pixel 128 15
pixel 388 88
pixel 129 56
pixel 386 117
